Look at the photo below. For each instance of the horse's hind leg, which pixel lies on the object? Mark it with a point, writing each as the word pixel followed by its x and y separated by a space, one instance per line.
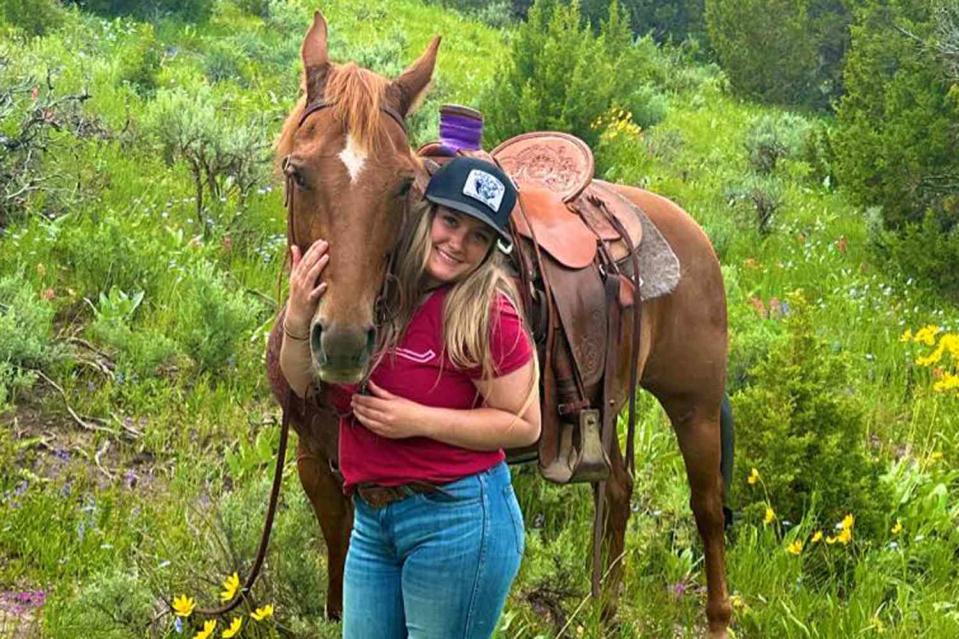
pixel 335 515
pixel 697 429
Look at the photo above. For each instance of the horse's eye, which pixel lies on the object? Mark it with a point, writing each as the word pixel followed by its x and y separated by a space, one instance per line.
pixel 404 188
pixel 293 172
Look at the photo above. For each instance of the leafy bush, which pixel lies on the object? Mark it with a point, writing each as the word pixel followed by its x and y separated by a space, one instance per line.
pixel 764 193
pixel 129 255
pixel 112 605
pixel 801 424
pixel 780 51
pixel 189 10
pixel 26 325
pixel 30 118
pixel 35 17
pixel 209 319
pixel 223 156
pixel 140 62
pixel 771 138
pixel 896 136
pixel 664 20
pixel 497 14
pixel 140 352
pixel 559 76
pixel 927 250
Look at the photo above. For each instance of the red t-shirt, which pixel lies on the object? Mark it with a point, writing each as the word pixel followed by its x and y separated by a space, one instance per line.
pixel 419 369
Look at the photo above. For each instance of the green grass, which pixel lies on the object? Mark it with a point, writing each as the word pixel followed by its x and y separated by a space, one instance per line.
pixel 110 524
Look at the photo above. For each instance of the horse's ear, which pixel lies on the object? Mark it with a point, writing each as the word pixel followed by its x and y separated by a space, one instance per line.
pixel 316 62
pixel 410 87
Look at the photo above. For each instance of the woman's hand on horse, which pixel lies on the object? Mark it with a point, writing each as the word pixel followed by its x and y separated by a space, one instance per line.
pixel 388 415
pixel 305 287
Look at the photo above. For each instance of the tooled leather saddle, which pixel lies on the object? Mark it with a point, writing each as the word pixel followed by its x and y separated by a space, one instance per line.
pixel 576 267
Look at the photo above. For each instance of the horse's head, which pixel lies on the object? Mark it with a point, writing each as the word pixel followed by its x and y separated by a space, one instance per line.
pixel 349 169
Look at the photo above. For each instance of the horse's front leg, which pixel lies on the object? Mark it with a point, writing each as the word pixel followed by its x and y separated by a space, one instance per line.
pixel 697 430
pixel 334 512
pixel 619 488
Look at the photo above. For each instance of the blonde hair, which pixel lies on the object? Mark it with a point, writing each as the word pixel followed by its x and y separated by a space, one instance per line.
pixel 466 310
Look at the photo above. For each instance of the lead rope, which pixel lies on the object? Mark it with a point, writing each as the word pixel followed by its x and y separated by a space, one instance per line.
pixel 270 514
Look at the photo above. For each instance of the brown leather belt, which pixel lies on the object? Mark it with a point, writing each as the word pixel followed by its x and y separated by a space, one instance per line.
pixel 379 496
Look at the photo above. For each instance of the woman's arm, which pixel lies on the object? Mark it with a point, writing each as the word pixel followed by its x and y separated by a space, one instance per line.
pixel 305 292
pixel 510 418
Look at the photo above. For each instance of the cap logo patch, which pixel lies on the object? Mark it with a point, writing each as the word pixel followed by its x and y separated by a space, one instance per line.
pixel 484 187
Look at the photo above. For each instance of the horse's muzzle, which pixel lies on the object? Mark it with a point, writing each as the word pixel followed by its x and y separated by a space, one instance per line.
pixel 341 353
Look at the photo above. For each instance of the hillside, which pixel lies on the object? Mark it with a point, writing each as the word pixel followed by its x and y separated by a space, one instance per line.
pixel 137 432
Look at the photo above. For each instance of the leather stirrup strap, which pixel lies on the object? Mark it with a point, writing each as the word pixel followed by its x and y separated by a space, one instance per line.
pixel 270 514
pixel 637 312
pixel 608 426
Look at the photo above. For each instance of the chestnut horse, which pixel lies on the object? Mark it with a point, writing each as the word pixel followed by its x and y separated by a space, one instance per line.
pixel 349 170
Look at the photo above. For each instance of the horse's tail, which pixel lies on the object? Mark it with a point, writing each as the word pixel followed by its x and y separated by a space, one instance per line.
pixel 727 433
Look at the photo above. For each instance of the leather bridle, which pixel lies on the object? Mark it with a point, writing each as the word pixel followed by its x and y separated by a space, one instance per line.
pixel 380 310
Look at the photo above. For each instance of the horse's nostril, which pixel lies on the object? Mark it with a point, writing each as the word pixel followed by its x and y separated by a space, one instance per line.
pixel 370 339
pixel 316 338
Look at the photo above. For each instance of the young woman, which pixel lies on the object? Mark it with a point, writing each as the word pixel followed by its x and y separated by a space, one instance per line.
pixel 437 534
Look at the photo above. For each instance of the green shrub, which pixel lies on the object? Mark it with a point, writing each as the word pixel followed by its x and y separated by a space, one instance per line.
pixel 209 319
pixel 801 423
pixel 896 134
pixel 763 196
pixel 139 352
pixel 26 336
pixel 780 51
pixel 189 10
pixel 34 17
pixel 129 256
pixel 771 138
pixel 664 20
pixel 224 156
pixel 111 605
pixel 139 63
pixel 497 14
pixel 927 250
pixel 259 8
pixel 559 76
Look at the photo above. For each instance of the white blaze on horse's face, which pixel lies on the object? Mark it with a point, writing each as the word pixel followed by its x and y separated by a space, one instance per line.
pixel 354 157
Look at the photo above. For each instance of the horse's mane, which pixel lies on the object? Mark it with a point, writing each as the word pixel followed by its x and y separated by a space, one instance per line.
pixel 357 94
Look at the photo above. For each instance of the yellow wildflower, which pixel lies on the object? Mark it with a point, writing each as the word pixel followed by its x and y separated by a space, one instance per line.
pixel 183 606
pixel 844 536
pixel 230 585
pixel 737 602
pixel 935 456
pixel 932 358
pixel 831 540
pixel 948 382
pixel 926 335
pixel 234 628
pixel 816 538
pixel 207 631
pixel 770 516
pixel 753 477
pixel 263 613
pixel 897 528
pixel 795 548
pixel 906 336
pixel 848 521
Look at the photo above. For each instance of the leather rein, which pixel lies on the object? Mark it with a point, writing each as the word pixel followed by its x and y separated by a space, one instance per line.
pixel 379 309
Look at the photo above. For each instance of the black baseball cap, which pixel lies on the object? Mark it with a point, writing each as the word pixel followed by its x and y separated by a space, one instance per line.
pixel 478 188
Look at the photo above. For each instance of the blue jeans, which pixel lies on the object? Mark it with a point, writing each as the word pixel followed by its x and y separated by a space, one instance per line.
pixel 436 565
